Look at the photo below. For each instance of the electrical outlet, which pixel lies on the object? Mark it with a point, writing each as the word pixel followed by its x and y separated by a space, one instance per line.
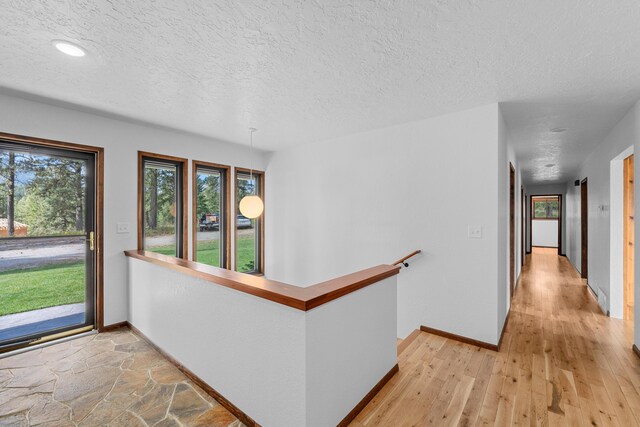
pixel 122 228
pixel 475 232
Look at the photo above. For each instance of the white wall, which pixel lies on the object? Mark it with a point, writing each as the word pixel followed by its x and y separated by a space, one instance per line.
pixel 597 168
pixel 351 344
pixel 121 141
pixel 544 233
pixel 507 157
pixel 281 366
pixel 369 198
pixel 218 333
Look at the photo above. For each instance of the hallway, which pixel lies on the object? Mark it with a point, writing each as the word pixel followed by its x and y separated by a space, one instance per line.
pixel 562 362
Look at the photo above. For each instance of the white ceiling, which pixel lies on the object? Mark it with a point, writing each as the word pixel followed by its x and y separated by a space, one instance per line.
pixel 304 70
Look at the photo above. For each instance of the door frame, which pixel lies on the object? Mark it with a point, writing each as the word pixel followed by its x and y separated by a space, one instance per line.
pixel 559 196
pixel 523 215
pixel 512 230
pixel 99 209
pixel 584 229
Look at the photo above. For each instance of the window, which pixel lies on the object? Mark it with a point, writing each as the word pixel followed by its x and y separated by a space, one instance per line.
pixel 249 232
pixel 211 214
pixel 162 204
pixel 545 207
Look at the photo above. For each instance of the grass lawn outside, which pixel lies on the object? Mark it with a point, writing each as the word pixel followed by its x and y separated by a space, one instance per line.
pixel 60 284
pixel 41 287
pixel 209 252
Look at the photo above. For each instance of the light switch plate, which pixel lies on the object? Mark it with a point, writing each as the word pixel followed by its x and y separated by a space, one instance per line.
pixel 475 232
pixel 122 228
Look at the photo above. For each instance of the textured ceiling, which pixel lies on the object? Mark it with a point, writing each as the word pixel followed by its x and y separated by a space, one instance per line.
pixel 304 70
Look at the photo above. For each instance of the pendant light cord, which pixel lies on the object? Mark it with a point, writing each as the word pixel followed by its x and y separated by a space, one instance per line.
pixel 251 130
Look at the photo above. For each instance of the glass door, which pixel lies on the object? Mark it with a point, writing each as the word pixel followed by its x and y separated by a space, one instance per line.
pixel 47 243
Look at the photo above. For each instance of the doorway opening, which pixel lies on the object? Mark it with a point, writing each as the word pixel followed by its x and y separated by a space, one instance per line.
pixel 50 240
pixel 620 233
pixel 584 230
pixel 545 221
pixel 512 229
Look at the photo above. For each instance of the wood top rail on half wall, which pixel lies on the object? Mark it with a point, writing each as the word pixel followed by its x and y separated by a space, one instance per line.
pixel 281 293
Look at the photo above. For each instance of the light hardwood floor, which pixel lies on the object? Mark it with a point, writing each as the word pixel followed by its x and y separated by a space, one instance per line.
pixel 562 362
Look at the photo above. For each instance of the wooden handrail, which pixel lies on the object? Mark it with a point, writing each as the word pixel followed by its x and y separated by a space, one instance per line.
pixel 293 296
pixel 402 260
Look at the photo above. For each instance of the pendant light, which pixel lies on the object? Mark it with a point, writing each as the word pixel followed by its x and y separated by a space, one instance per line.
pixel 251 206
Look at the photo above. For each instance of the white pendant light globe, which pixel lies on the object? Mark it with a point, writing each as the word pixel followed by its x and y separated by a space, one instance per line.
pixel 251 206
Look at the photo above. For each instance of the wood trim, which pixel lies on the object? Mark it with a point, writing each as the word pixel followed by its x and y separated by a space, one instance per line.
pixel 185 197
pixel 547 247
pixel 52 143
pixel 140 207
pixel 247 420
pixel 550 197
pixel 241 415
pixel 512 230
pixel 261 223
pixel 545 197
pixel 99 171
pixel 636 351
pixel 227 208
pixel 403 259
pixel 402 346
pixel 523 218
pixel 460 338
pixel 504 328
pixel 584 229
pixel 99 196
pixel 114 326
pixel 560 208
pixel 164 157
pixel 329 290
pixel 530 234
pixel 593 295
pixel 368 397
pixel 293 296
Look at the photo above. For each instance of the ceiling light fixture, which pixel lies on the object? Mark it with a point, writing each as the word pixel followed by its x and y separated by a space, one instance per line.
pixel 558 130
pixel 69 48
pixel 251 206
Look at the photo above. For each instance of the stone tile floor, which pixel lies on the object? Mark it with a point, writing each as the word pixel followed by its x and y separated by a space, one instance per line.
pixel 111 379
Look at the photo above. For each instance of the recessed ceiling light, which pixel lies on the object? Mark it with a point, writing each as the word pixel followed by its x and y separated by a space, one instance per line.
pixel 549 165
pixel 558 130
pixel 69 48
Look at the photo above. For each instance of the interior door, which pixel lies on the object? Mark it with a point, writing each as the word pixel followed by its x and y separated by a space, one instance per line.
pixel 47 243
pixel 628 240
